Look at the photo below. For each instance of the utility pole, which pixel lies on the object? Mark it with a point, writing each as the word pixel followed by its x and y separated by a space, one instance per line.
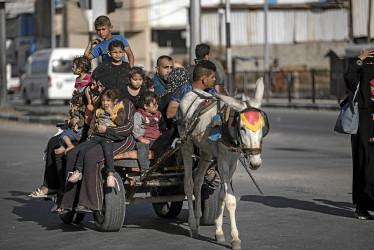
pixel 3 83
pixel 86 8
pixel 266 50
pixel 221 12
pixel 195 22
pixel 228 49
pixel 53 33
pixel 368 39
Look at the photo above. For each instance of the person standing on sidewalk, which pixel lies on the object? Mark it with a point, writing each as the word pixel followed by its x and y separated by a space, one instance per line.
pixel 361 70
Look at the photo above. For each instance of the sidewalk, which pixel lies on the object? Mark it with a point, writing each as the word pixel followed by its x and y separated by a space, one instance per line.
pixel 28 114
pixel 24 116
pixel 320 104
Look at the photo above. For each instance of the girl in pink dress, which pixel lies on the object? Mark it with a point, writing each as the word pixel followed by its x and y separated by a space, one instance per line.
pixel 81 67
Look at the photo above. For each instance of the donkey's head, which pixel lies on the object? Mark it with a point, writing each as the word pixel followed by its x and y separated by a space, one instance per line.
pixel 249 123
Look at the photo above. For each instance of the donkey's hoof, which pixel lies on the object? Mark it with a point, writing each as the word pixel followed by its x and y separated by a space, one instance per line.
pixel 194 233
pixel 236 245
pixel 220 238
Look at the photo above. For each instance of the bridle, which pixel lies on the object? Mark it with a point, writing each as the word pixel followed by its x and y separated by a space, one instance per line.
pixel 230 128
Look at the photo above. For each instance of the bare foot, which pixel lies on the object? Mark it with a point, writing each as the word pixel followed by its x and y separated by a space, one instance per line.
pixel 70 147
pixel 59 150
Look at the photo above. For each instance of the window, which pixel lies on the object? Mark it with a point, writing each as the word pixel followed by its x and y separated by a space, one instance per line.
pixel 62 66
pixel 39 67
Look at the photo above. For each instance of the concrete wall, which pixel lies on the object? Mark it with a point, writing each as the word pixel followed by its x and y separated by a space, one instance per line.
pixel 310 55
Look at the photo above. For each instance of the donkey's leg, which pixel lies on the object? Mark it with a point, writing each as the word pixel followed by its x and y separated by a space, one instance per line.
pixel 220 237
pixel 224 174
pixel 188 187
pixel 202 168
pixel 230 201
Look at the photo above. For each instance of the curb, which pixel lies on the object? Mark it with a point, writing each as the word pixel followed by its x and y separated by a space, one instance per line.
pixel 32 119
pixel 311 106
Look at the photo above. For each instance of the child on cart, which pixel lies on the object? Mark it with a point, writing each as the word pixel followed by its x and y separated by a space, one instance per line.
pixel 81 67
pixel 76 123
pixel 148 124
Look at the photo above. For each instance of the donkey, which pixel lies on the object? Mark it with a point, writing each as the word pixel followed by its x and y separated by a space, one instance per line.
pixel 243 135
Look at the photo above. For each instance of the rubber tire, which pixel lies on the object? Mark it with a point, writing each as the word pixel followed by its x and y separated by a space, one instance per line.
pixel 209 205
pixel 112 216
pixel 167 209
pixel 72 217
pixel 25 98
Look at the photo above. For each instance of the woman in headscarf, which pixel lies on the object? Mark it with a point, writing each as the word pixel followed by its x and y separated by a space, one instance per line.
pixel 176 78
pixel 90 192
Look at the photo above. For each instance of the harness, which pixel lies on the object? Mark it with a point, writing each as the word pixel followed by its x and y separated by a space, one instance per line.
pixel 229 122
pixel 208 103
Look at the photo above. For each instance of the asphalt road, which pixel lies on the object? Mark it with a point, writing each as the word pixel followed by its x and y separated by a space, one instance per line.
pixel 305 177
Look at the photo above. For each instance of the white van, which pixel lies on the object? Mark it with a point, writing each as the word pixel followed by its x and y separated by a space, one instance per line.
pixel 48 75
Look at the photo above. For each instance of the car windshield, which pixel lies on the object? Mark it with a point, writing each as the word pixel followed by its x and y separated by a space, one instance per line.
pixel 62 66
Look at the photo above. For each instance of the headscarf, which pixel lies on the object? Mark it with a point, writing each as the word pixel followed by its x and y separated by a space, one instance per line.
pixel 103 75
pixel 176 78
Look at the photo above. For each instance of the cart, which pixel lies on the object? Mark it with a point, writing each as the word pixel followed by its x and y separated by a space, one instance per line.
pixel 162 185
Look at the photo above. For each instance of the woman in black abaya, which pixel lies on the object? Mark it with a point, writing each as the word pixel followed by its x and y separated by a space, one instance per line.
pixel 362 70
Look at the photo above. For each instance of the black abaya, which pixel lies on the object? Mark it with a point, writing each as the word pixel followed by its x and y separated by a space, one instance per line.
pixel 362 152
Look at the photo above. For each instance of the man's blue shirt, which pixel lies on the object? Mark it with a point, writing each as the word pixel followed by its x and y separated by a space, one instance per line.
pixel 184 89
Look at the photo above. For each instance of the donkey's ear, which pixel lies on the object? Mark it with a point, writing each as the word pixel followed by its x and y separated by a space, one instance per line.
pixel 259 93
pixel 233 102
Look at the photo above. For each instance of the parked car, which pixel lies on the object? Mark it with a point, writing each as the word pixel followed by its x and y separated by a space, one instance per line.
pixel 48 75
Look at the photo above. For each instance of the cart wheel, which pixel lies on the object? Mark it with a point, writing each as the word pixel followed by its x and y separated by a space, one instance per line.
pixel 112 216
pixel 168 209
pixel 209 205
pixel 72 217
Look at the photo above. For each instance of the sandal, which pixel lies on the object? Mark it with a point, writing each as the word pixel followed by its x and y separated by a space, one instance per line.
pixel 74 176
pixel 37 193
pixel 83 209
pixel 61 211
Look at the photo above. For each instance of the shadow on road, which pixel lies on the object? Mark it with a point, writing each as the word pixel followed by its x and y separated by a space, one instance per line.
pixel 336 208
pixel 38 210
pixel 143 216
pixel 137 216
